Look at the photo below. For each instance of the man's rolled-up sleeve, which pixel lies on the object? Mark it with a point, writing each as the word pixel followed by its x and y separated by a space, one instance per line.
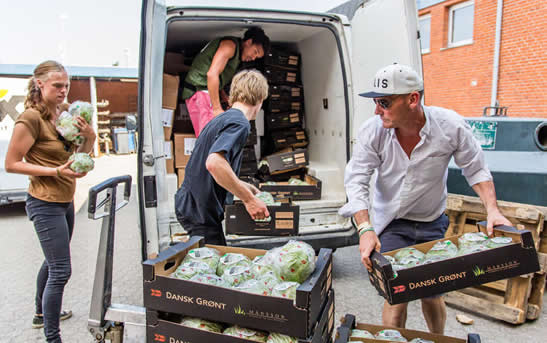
pixel 470 157
pixel 358 173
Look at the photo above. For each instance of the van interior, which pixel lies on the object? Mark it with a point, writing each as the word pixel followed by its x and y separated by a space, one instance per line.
pixel 326 103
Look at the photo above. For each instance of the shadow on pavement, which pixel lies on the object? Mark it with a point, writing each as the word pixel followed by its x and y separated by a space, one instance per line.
pixel 12 210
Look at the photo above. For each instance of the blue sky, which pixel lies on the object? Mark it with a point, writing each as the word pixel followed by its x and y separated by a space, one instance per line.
pixel 91 33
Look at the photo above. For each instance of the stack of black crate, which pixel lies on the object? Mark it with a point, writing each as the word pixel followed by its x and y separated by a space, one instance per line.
pixel 284 109
pixel 248 161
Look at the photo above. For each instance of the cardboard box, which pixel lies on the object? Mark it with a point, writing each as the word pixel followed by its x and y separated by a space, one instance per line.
pixel 184 145
pixel 167 122
pixel 165 327
pixel 169 160
pixel 180 175
pixel 284 221
pixel 343 333
pixel 284 120
pixel 170 91
pixel 290 160
pixel 173 63
pixel 294 318
pixel 295 192
pixel 458 272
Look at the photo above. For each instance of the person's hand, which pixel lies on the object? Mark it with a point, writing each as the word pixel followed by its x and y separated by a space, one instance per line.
pixel 495 218
pixel 257 208
pixel 65 170
pixel 85 129
pixel 367 243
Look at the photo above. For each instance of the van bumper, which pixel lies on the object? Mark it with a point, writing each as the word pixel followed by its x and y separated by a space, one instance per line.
pixel 330 240
pixel 11 197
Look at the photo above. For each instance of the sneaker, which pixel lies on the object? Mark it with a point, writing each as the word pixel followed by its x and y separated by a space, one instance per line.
pixel 38 320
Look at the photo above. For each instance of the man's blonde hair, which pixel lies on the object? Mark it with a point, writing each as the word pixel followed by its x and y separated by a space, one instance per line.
pixel 249 87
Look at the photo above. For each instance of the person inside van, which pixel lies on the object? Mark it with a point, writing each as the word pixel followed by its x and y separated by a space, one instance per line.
pixel 213 68
pixel 410 145
pixel 213 168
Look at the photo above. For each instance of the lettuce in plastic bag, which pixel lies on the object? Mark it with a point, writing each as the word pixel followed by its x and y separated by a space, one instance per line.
pixel 421 340
pixel 497 242
pixel 253 286
pixel 259 266
pixel 279 338
pixel 408 262
pixel 269 280
pixel 210 279
pixel 266 197
pixel 252 335
pixel 295 261
pixel 82 162
pixel 201 324
pixel 65 126
pixel 406 252
pixel 82 109
pixel 208 255
pixel 231 260
pixel 187 270
pixel 285 290
pixel 236 275
pixel 357 333
pixel 390 335
pixel 471 249
pixel 472 238
pixel 297 182
pixel 441 251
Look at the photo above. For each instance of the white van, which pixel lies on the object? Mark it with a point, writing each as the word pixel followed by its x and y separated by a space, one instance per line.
pixel 338 59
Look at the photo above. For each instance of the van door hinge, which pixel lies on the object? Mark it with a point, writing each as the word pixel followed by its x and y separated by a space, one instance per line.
pixel 353 141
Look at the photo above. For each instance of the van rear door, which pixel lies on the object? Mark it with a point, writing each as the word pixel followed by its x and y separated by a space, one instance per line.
pixel 382 32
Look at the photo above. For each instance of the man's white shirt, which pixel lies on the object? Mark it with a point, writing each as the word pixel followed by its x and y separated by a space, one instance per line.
pixel 414 188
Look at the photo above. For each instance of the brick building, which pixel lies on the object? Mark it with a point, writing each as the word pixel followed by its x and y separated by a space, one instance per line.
pixel 458 50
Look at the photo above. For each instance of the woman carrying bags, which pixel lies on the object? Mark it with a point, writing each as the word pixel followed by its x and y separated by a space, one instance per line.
pixel 38 150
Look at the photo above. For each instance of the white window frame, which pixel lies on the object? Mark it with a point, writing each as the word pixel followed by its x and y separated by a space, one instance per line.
pixel 451 22
pixel 422 17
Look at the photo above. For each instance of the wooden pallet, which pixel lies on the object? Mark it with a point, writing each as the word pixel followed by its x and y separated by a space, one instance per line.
pixel 513 300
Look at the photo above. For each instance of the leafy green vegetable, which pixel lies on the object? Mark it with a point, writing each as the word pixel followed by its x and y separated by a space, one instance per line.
pixel 253 286
pixel 187 270
pixel 65 126
pixel 297 182
pixel 295 261
pixel 441 251
pixel 82 162
pixel 231 260
pixel 286 290
pixel 208 255
pixel 279 338
pixel 236 275
pixel 361 334
pixel 472 238
pixel 201 324
pixel 252 335
pixel 406 252
pixel 82 109
pixel 390 335
pixel 497 242
pixel 421 340
pixel 210 279
pixel 259 266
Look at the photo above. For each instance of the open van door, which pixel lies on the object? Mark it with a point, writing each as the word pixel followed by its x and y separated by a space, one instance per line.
pixel 382 32
pixel 152 46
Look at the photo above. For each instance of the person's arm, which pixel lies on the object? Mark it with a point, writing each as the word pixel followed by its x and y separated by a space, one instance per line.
pixel 368 240
pixel 252 188
pixel 487 193
pixel 225 51
pixel 223 174
pixel 87 132
pixel 20 143
pixel 470 157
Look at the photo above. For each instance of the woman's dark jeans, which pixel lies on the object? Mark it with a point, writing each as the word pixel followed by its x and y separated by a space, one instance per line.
pixel 54 223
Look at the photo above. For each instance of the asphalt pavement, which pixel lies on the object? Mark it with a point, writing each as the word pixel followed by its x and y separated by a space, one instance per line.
pixel 21 259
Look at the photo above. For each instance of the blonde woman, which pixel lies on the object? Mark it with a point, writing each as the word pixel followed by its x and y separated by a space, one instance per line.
pixel 37 150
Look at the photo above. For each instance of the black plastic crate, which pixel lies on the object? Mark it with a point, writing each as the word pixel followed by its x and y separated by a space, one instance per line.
pixel 292 92
pixel 285 105
pixel 282 58
pixel 281 75
pixel 283 120
pixel 292 137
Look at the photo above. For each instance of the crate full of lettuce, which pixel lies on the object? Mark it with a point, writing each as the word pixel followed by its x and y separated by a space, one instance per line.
pixel 279 290
pixel 305 188
pixel 453 263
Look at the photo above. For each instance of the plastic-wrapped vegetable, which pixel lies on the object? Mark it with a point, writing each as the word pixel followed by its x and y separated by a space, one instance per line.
pixel 357 333
pixel 82 162
pixel 390 335
pixel 187 270
pixel 65 126
pixel 409 262
pixel 236 275
pixel 270 183
pixel 285 290
pixel 279 338
pixel 390 259
pixel 82 109
pixel 201 324
pixel 231 260
pixel 259 266
pixel 251 335
pixel 471 249
pixel 406 252
pixel 269 280
pixel 295 261
pixel 441 251
pixel 472 238
pixel 208 255
pixel 497 242
pixel 421 340
pixel 253 286
pixel 297 182
pixel 210 279
pixel 267 198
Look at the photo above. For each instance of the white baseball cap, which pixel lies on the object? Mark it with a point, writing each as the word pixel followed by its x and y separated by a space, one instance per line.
pixel 394 79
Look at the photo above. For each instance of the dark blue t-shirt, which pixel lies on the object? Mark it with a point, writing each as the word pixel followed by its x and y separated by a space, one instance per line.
pixel 200 200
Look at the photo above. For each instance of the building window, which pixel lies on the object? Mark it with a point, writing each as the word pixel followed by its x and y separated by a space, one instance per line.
pixel 460 24
pixel 425 32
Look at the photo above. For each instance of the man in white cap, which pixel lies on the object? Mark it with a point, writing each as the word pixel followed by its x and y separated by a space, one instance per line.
pixel 410 145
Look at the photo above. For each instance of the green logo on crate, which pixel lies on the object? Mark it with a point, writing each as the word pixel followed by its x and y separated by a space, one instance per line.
pixel 478 272
pixel 239 310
